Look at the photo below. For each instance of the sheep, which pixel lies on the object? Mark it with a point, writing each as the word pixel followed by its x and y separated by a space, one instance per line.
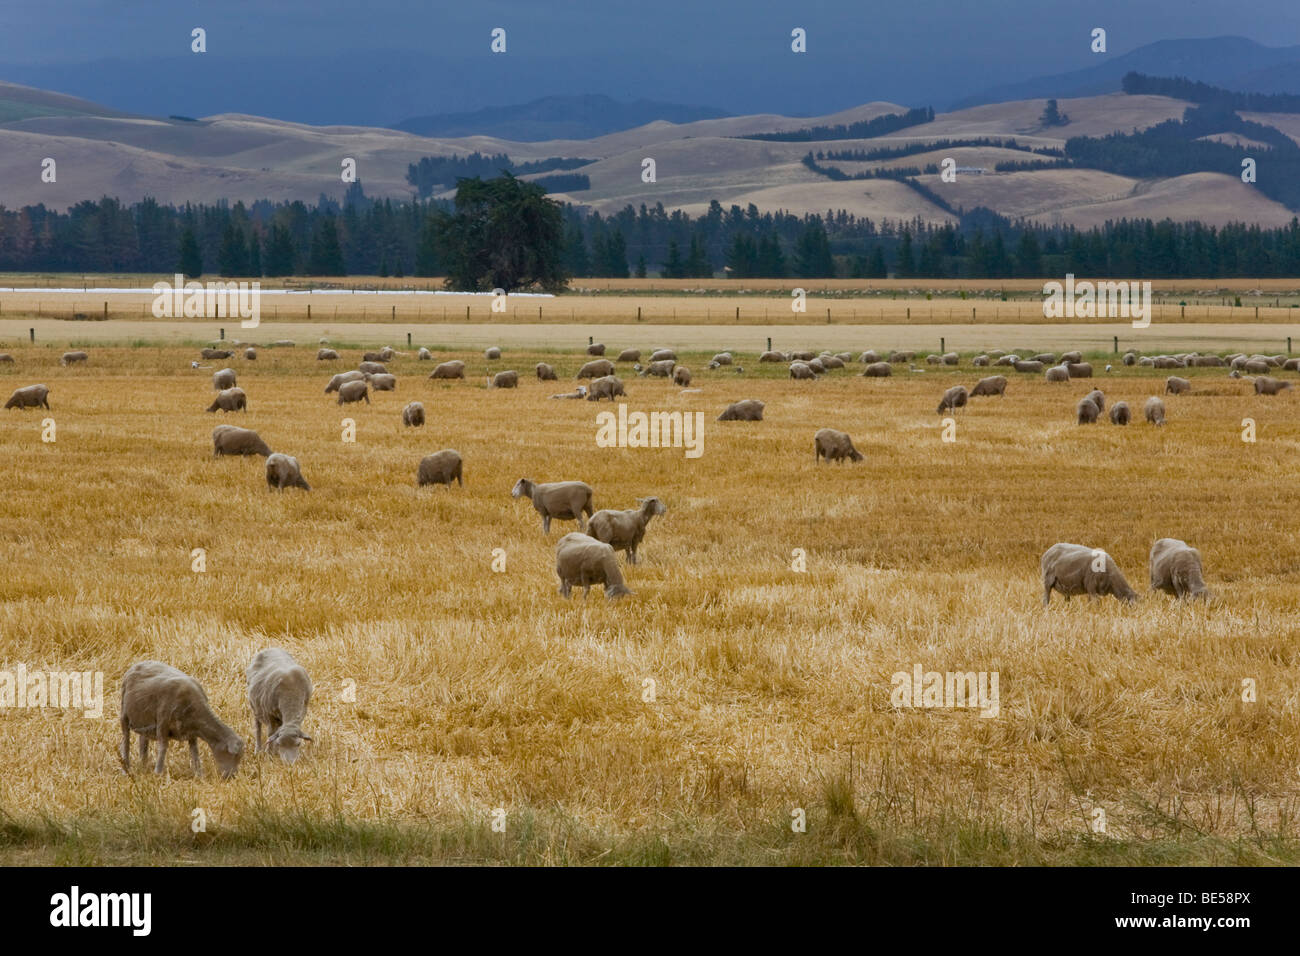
pixel 623 530
pixel 1147 361
pixel 803 356
pixel 1176 570
pixel 1057 373
pixel 831 361
pixel 509 379
pixel 1079 369
pixel 223 379
pixel 1177 386
pixel 1270 386
pixel 747 410
pixel 278 693
pixel 629 355
pixel 801 370
pixel 597 368
pixel 1027 366
pixel 229 440
pixel 424 355
pixel 354 392
pixel 606 387
pixel 950 358
pixel 413 415
pixel 953 399
pixel 817 366
pixel 1256 366
pixel 326 355
pixel 1167 362
pixel 583 561
pixel 834 446
pixel 215 353
pixel 386 354
pixel 1047 358
pixel 565 500
pixel 844 356
pixel 492 353
pixel 1209 361
pixel 868 357
pixel 545 373
pixel 897 357
pixel 663 355
pixel 771 356
pixel 1290 365
pixel 376 357
pixel 681 376
pixel 722 358
pixel 1007 360
pixel 454 369
pixel 579 393
pixel 660 369
pixel 342 379
pixel 1087 411
pixel 1238 363
pixel 71 358
pixel 384 382
pixel 30 396
pixel 993 385
pixel 373 368
pixel 282 472
pixel 250 353
pixel 163 704
pixel 440 468
pixel 980 361
pixel 230 400
pixel 596 348
pixel 1130 358
pixel 1072 569
pixel 934 359
pixel 1120 414
pixel 1098 398
pixel 1068 358
pixel 878 370
pixel 1154 409
pixel 6 358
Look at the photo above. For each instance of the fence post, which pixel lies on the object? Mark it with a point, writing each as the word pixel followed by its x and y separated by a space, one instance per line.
pixel 105 311
pixel 1114 347
pixel 638 313
pixel 941 348
pixel 223 332
pixel 32 334
pixel 769 340
pixel 309 310
pixel 408 340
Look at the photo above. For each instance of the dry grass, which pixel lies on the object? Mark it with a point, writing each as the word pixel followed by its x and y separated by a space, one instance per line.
pixel 477 690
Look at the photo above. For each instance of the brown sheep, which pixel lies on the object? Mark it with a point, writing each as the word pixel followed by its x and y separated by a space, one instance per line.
pixel 801 370
pixel 278 693
pixel 597 368
pixel 878 370
pixel 681 376
pixel 564 500
pixel 596 348
pixel 384 382
pixel 282 472
pixel 326 355
pixel 545 373
pixel 30 396
pixel 748 410
pixel 1072 569
pixel 606 387
pixel 354 392
pixel 953 399
pixel 223 379
pixel 230 400
pixel 163 704
pixel 629 355
pixel 1079 369
pixel 1087 411
pixel 229 440
pixel 993 385
pixel 1270 386
pixel 834 446
pixel 454 369
pixel 71 358
pixel 508 379
pixel 413 415
pixel 1120 414
pixel 440 468
pixel 343 378
pixel 1176 570
pixel 623 530
pixel 581 560
pixel 215 353
pixel 372 368
pixel 1177 386
pixel 1057 373
pixel 1154 410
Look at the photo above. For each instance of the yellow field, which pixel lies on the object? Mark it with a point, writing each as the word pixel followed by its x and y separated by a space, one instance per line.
pixel 477 690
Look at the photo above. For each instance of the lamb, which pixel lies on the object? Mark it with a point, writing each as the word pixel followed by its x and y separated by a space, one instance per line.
pixel 413 415
pixel 663 355
pixel 215 353
pixel 623 530
pixel 597 368
pixel 282 472
pixel 30 396
pixel 223 380
pixel 834 446
pixel 71 358
pixel 748 410
pixel 278 692
pixel 230 400
pixel 1028 366
pixel 372 368
pixel 1176 570
pixel 545 373
pixel 1079 369
pixel 163 704
pixel 629 355
pixel 583 561
pixel 1154 410
pixel 565 500
pixel 681 376
pixel 993 385
pixel 660 369
pixel 1087 411
pixel 801 370
pixel 1120 414
pixel 1072 569
pixel 342 379
pixel 424 355
pixel 440 468
pixel 606 387
pixel 771 356
pixel 953 399
pixel 1098 398
pixel 383 383
pixel 492 353
pixel 326 355
pixel 1270 386
pixel 596 348
pixel 878 370
pixel 250 353
pixel 508 379
pixel 722 358
pixel 229 440
pixel 354 392
pixel 1057 373
pixel 454 369
pixel 1177 386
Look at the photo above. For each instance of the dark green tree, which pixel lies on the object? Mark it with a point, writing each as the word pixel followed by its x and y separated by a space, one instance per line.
pixel 190 263
pixel 232 258
pixel 326 256
pixel 640 267
pixel 673 267
pixel 426 253
pixel 254 255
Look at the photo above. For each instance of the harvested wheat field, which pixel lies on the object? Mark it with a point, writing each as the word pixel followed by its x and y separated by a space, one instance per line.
pixel 745 686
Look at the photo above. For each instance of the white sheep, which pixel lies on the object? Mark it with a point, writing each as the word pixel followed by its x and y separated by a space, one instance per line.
pixel 161 703
pixel 623 530
pixel 278 692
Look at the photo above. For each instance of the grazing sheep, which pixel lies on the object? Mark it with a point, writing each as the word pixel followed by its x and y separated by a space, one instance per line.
pixel 1290 365
pixel 413 415
pixel 596 348
pixel 1208 361
pixel 681 376
pixel 229 440
pixel 598 368
pixel 748 410
pixel 1079 369
pixel 30 396
pixel 509 379
pixel 1177 386
pixel 372 368
pixel 1270 386
pixel 230 400
pixel 1120 414
pixel 804 356
pixel 898 357
pixel 801 370
pixel 1167 362
pixel 215 353
pixel 1130 358
pixel 1154 410
pixel 1147 361
pixel 580 392
pixel 455 369
pixel 980 361
pixel 1057 373
pixel 71 358
pixel 375 357
pixel 581 560
pixel 326 355
pixel 623 530
pixel 1007 360
pixel 953 399
pixel 342 379
pixel 817 366
pixel 1176 570
pixel 384 382
pixel 6 358
pixel 1028 366
pixel 868 357
pixel 223 380
pixel 545 373
pixel 879 370
pixel 440 468
pixel 606 387
pixel 1256 366
pixel 250 354
pixel 993 385
pixel 844 356
pixel 722 358
pixel 282 472
pixel 1071 569
pixel 1047 358
pixel 660 369
pixel 663 355
pixel 424 355
pixel 1098 398
pixel 1087 411
pixel 278 692
pixel 831 361
pixel 951 358
pixel 565 500
pixel 934 359
pixel 492 353
pixel 629 355
pixel 1068 358
pixel 163 704
pixel 771 356
pixel 354 392
pixel 834 446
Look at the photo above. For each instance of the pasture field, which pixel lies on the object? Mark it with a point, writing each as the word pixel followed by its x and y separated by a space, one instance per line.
pixel 446 690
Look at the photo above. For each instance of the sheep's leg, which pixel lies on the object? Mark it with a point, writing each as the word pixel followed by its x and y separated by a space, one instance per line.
pixel 144 749
pixel 161 766
pixel 1048 581
pixel 194 758
pixel 546 524
pixel 126 744
pixel 631 555
pixel 257 728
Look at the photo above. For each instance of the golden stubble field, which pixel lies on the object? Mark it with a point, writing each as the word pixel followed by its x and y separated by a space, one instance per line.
pixel 477 690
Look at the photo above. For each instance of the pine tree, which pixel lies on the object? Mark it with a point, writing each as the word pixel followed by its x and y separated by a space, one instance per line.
pixel 326 257
pixel 426 253
pixel 280 254
pixel 254 255
pixel 906 264
pixel 876 268
pixel 232 259
pixel 190 263
pixel 640 267
pixel 672 267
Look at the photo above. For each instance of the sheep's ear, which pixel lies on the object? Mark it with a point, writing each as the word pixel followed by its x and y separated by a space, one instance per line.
pixel 306 738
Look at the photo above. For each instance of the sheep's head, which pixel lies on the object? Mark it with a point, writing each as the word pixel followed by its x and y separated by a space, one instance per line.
pixel 227 754
pixel 523 486
pixel 287 743
pixel 653 506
